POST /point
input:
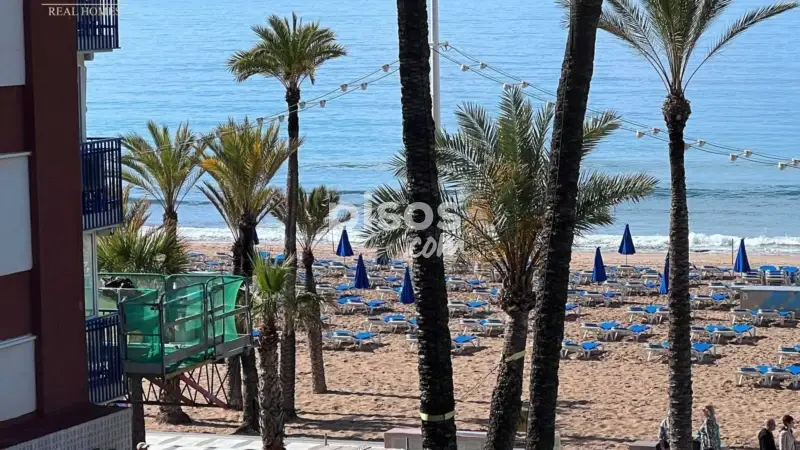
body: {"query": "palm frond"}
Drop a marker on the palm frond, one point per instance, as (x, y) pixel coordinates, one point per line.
(744, 23)
(598, 193)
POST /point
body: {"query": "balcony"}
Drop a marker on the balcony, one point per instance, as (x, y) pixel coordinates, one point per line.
(101, 174)
(98, 25)
(106, 373)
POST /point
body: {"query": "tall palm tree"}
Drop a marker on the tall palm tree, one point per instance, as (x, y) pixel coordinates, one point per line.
(165, 169)
(289, 53)
(499, 168)
(566, 151)
(437, 404)
(313, 222)
(242, 160)
(666, 35)
(270, 305)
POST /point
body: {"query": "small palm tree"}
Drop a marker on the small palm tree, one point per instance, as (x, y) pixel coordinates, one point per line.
(270, 304)
(242, 160)
(499, 168)
(289, 53)
(667, 35)
(313, 223)
(131, 249)
(166, 169)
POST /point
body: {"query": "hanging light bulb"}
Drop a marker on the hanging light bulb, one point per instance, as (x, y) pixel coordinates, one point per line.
(302, 105)
(781, 165)
(686, 146)
(748, 153)
(385, 67)
(701, 142)
(524, 84)
(363, 86)
(322, 103)
(464, 67)
(260, 121)
(795, 162)
(733, 156)
(484, 65)
(655, 130)
(639, 133)
(343, 87)
(281, 117)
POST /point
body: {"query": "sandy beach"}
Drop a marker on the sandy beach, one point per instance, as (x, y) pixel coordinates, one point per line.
(603, 403)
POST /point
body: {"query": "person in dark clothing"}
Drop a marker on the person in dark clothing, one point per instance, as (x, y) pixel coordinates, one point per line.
(766, 441)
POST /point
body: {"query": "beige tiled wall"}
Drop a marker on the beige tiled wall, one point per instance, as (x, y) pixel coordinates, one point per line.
(111, 432)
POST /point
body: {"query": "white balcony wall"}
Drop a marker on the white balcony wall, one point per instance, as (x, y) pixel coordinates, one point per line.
(15, 213)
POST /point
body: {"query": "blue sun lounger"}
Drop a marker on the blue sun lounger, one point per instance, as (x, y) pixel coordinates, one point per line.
(768, 375)
(636, 331)
(583, 349)
(464, 340)
(788, 353)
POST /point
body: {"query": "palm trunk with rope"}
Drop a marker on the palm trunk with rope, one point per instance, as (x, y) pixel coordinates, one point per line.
(504, 412)
(437, 405)
(247, 232)
(676, 111)
(270, 416)
(318, 384)
(562, 191)
(288, 342)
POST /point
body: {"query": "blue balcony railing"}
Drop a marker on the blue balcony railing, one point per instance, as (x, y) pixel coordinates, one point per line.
(101, 174)
(98, 25)
(107, 380)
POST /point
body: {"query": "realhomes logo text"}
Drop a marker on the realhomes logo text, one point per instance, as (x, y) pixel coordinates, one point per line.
(82, 9)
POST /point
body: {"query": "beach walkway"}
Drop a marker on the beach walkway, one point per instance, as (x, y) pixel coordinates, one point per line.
(197, 441)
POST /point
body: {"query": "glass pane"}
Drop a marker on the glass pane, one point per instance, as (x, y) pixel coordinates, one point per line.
(88, 276)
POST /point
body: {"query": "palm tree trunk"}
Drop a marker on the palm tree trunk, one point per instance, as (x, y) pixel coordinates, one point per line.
(169, 220)
(243, 252)
(234, 383)
(288, 343)
(437, 405)
(270, 415)
(250, 382)
(138, 431)
(676, 113)
(504, 413)
(562, 190)
(318, 384)
(172, 413)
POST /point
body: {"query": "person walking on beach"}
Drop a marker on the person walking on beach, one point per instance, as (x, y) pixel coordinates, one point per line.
(766, 441)
(709, 431)
(786, 439)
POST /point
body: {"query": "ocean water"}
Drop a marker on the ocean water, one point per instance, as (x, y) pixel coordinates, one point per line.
(171, 68)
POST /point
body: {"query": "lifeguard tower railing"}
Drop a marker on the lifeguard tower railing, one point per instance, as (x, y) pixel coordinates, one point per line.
(172, 324)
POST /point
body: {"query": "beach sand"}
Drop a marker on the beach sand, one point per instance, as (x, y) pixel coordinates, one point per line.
(603, 403)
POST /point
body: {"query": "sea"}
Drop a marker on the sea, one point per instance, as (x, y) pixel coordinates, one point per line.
(171, 68)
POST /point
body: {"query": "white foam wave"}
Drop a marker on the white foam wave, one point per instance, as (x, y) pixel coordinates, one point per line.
(715, 243)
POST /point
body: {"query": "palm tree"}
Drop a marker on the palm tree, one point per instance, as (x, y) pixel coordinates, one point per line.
(499, 168)
(313, 222)
(165, 170)
(437, 404)
(562, 200)
(270, 304)
(666, 35)
(242, 160)
(130, 249)
(290, 54)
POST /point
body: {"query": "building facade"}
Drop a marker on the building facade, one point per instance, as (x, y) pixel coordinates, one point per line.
(59, 189)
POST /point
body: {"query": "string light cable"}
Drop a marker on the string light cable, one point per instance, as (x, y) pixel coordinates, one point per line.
(320, 101)
(639, 129)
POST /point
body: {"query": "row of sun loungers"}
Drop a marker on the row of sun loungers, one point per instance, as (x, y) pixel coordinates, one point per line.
(768, 375)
